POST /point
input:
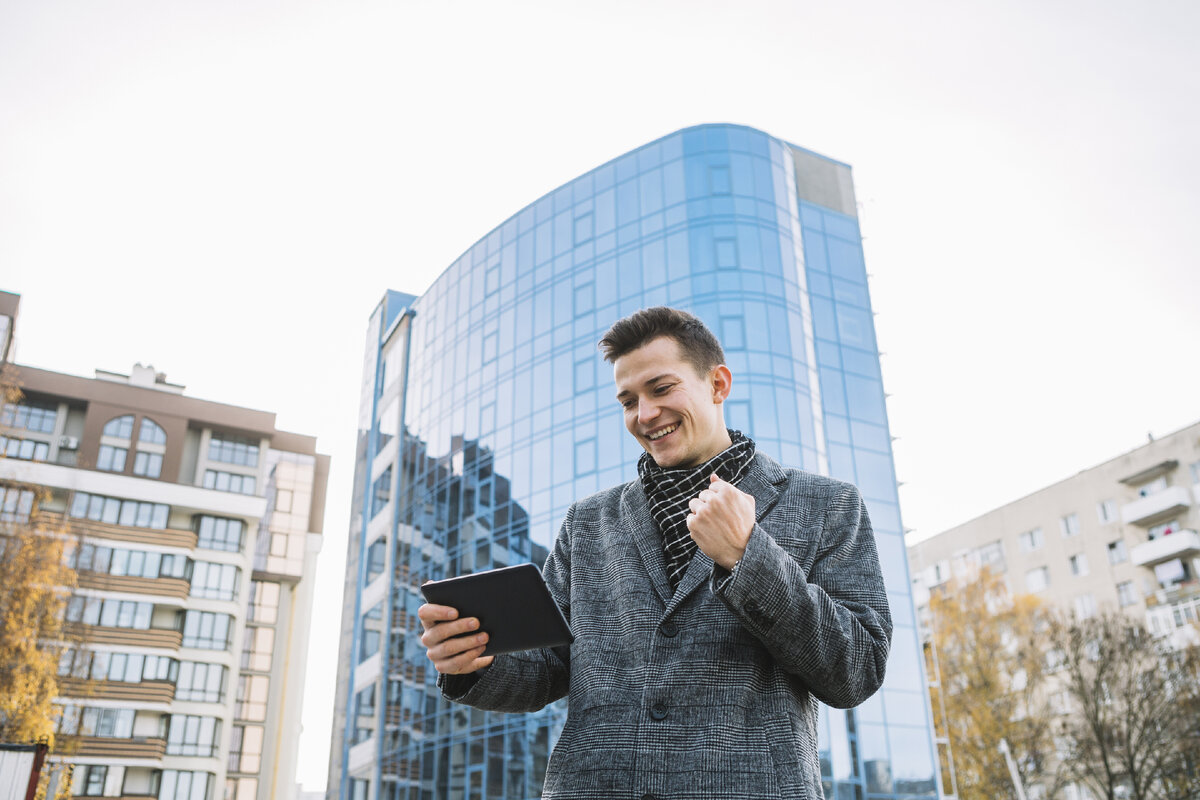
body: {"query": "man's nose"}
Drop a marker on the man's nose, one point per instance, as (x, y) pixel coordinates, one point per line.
(647, 410)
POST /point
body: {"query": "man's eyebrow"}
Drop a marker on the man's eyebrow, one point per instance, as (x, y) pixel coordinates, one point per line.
(649, 382)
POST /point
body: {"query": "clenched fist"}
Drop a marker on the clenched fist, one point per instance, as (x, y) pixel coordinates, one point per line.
(721, 521)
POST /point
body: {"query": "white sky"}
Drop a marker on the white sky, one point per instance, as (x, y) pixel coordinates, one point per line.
(225, 189)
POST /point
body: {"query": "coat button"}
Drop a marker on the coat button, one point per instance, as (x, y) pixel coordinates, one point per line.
(659, 711)
(668, 629)
(648, 796)
(751, 608)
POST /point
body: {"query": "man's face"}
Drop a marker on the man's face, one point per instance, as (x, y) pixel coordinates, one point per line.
(673, 412)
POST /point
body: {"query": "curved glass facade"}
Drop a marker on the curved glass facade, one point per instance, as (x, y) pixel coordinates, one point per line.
(487, 409)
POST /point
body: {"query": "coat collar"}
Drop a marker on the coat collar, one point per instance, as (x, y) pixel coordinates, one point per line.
(764, 482)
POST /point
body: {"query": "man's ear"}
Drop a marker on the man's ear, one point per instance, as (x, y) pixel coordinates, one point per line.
(721, 380)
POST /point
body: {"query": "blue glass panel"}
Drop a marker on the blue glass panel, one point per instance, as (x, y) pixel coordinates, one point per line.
(866, 399)
(912, 761)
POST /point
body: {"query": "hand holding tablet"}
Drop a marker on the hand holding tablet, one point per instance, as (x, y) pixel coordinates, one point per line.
(498, 611)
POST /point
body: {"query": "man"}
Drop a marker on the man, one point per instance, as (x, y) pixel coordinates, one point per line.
(714, 600)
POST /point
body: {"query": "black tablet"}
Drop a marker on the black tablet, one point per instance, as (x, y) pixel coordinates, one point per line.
(513, 606)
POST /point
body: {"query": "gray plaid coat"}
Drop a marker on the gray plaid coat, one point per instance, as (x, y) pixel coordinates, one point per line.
(708, 692)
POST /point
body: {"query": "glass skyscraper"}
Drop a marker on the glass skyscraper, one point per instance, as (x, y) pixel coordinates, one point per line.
(487, 409)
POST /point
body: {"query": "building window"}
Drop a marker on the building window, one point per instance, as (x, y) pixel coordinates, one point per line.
(245, 748)
(91, 779)
(1085, 606)
(376, 558)
(229, 482)
(109, 613)
(200, 682)
(206, 630)
(1069, 525)
(726, 253)
(137, 563)
(252, 697)
(114, 511)
(193, 736)
(215, 581)
(365, 701)
(1127, 593)
(992, 556)
(133, 667)
(264, 601)
(147, 465)
(218, 533)
(1153, 487)
(1117, 552)
(1163, 529)
(381, 491)
(119, 427)
(1031, 540)
(25, 449)
(241, 788)
(176, 785)
(111, 459)
(232, 450)
(1037, 579)
(108, 723)
(37, 417)
(257, 647)
(1194, 471)
(1106, 512)
(151, 432)
(1079, 565)
(16, 505)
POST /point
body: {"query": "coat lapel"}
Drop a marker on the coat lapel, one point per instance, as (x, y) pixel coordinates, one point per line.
(763, 482)
(636, 514)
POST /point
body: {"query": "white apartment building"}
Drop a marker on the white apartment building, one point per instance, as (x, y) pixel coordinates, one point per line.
(194, 527)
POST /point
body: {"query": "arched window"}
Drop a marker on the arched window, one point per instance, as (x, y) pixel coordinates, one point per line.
(120, 427)
(151, 442)
(112, 457)
(151, 432)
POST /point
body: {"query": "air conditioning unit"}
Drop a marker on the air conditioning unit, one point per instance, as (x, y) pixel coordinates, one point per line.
(68, 443)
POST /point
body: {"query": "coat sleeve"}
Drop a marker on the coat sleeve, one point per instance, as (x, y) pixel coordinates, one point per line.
(831, 627)
(531, 679)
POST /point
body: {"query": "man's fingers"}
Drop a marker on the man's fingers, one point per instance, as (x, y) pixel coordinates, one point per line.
(456, 646)
(431, 614)
(464, 664)
(436, 634)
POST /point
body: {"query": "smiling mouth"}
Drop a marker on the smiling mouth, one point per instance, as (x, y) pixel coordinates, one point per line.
(654, 437)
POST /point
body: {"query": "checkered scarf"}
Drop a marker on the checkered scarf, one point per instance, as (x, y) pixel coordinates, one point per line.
(668, 492)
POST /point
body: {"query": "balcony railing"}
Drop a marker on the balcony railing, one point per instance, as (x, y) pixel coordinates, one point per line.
(109, 747)
(122, 533)
(163, 587)
(98, 634)
(1154, 507)
(145, 691)
(1174, 545)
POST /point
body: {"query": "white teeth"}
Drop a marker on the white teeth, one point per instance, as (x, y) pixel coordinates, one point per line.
(655, 436)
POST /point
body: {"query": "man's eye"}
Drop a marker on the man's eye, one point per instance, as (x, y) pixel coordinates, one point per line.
(662, 388)
(627, 404)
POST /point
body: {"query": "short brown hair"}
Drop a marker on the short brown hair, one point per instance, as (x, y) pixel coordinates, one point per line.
(700, 348)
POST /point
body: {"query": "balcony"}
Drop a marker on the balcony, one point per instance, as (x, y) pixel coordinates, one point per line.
(145, 691)
(120, 533)
(1152, 508)
(121, 749)
(1179, 544)
(96, 634)
(163, 587)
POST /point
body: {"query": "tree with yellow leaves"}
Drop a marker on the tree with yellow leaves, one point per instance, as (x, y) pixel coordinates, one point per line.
(35, 583)
(992, 669)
